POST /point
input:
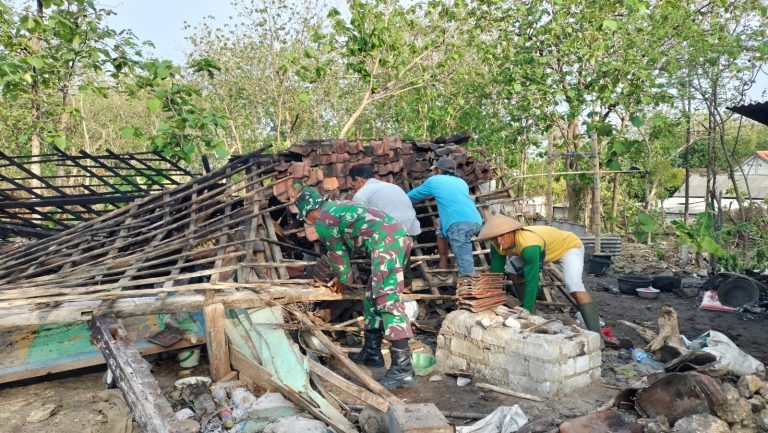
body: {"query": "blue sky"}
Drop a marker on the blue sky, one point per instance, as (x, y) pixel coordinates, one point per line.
(162, 21)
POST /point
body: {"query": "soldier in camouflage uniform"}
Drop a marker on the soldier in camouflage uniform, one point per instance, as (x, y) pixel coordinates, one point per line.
(347, 227)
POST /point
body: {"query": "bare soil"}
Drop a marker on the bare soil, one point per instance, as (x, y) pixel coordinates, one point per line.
(73, 393)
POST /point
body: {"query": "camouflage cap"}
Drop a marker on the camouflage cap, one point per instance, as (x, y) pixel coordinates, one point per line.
(307, 200)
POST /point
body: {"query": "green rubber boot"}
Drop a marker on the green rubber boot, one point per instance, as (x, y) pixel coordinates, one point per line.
(589, 314)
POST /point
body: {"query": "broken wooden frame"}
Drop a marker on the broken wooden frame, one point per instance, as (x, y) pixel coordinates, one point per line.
(83, 187)
(214, 229)
(182, 250)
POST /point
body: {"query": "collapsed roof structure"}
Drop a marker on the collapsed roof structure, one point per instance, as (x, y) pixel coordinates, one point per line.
(226, 239)
(228, 229)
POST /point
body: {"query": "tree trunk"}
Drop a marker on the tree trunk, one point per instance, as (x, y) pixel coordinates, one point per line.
(574, 191)
(688, 143)
(550, 165)
(615, 202)
(596, 202)
(35, 141)
(523, 170)
(360, 108)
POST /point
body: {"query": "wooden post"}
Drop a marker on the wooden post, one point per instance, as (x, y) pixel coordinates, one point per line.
(216, 341)
(142, 393)
(353, 368)
(596, 202)
(550, 167)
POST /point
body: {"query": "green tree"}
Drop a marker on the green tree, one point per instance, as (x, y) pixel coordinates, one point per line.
(50, 51)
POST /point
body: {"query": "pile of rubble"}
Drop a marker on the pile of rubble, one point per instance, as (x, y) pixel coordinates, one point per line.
(705, 385)
(325, 164)
(641, 259)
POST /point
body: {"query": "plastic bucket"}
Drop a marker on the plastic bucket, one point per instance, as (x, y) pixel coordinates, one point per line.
(189, 358)
(598, 266)
(423, 363)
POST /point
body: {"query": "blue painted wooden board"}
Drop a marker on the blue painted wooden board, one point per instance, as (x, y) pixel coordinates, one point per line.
(33, 351)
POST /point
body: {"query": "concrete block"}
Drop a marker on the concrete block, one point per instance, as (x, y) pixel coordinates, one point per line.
(538, 347)
(574, 347)
(476, 332)
(596, 374)
(572, 384)
(459, 364)
(490, 375)
(593, 341)
(466, 349)
(417, 418)
(516, 365)
(441, 340)
(595, 359)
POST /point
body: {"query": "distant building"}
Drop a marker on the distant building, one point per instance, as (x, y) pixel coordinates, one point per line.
(755, 169)
(756, 164)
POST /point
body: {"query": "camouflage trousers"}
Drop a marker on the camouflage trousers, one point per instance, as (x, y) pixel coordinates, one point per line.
(383, 306)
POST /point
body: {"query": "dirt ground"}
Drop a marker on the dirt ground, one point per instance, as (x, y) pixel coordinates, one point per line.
(74, 393)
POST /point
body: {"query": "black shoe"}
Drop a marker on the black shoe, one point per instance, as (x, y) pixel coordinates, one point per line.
(400, 373)
(370, 354)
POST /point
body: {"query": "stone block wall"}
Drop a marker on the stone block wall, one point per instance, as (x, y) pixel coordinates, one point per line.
(548, 366)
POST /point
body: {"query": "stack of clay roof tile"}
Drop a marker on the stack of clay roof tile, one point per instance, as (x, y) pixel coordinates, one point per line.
(480, 292)
(325, 164)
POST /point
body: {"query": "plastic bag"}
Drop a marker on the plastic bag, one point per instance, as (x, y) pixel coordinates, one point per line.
(729, 357)
(505, 419)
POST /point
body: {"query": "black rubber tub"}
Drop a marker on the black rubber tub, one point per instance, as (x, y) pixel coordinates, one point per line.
(597, 266)
(628, 284)
(666, 283)
(738, 292)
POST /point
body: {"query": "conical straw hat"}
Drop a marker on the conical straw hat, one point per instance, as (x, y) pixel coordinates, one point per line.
(497, 225)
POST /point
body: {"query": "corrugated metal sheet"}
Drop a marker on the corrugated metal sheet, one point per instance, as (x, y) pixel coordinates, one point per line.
(757, 112)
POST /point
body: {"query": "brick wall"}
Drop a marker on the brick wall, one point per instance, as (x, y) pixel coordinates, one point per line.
(548, 366)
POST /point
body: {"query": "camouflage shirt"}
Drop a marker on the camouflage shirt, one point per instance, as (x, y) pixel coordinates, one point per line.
(347, 228)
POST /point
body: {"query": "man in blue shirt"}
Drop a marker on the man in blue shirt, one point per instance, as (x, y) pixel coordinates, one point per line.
(459, 218)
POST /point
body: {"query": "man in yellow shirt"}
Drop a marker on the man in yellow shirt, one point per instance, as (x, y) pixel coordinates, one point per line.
(537, 245)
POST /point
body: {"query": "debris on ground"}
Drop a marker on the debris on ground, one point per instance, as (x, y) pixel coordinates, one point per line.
(641, 259)
(41, 413)
(503, 419)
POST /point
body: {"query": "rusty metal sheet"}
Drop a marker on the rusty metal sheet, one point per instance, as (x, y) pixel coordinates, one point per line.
(678, 395)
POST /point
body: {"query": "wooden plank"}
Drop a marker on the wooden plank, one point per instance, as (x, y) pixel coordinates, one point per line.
(506, 391)
(216, 336)
(281, 358)
(90, 362)
(359, 393)
(184, 301)
(252, 373)
(340, 356)
(141, 391)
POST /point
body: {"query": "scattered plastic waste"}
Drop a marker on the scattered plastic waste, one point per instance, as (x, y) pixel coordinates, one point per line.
(730, 357)
(184, 413)
(227, 419)
(463, 381)
(219, 394)
(242, 400)
(250, 426)
(608, 335)
(503, 419)
(293, 424)
(644, 358)
(710, 302)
